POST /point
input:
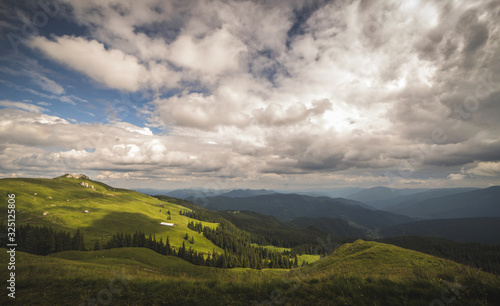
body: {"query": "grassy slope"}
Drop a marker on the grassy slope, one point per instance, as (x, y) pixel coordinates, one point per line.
(110, 210)
(361, 273)
(136, 276)
(380, 274)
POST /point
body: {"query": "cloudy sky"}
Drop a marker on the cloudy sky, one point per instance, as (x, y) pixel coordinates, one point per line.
(258, 94)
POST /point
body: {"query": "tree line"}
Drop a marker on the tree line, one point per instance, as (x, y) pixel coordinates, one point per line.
(45, 240)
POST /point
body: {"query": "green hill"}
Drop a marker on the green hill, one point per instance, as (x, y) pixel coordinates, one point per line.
(360, 273)
(371, 273)
(61, 203)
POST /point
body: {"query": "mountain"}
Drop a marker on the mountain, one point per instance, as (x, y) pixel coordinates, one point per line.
(475, 203)
(377, 194)
(288, 207)
(241, 193)
(333, 226)
(194, 193)
(479, 230)
(326, 192)
(391, 204)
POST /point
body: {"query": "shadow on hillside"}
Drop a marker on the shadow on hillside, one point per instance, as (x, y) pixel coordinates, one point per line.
(127, 222)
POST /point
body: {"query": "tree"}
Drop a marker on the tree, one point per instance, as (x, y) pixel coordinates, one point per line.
(97, 246)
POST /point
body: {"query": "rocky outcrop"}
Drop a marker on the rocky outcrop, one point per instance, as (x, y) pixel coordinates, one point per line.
(77, 176)
(85, 184)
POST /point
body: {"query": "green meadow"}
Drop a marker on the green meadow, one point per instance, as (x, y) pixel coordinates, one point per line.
(60, 203)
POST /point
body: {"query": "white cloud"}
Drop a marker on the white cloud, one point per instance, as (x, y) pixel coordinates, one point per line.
(213, 54)
(49, 85)
(23, 106)
(112, 67)
(456, 176)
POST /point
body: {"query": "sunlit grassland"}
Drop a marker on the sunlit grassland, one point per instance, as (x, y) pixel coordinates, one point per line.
(60, 203)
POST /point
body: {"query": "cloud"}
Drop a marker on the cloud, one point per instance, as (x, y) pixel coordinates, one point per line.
(114, 68)
(491, 169)
(316, 92)
(456, 176)
(212, 54)
(23, 106)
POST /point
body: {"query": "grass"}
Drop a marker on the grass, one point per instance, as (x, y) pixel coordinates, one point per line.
(361, 273)
(144, 277)
(61, 202)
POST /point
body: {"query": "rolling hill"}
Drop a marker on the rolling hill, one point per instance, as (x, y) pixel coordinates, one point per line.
(61, 204)
(288, 207)
(480, 230)
(475, 203)
(359, 273)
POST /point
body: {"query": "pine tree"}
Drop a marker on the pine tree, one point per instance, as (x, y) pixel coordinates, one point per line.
(97, 245)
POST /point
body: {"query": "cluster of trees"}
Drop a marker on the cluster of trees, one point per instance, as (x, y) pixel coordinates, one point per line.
(249, 257)
(45, 240)
(238, 251)
(202, 215)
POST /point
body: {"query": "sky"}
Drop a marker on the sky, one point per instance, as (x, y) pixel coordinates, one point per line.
(252, 94)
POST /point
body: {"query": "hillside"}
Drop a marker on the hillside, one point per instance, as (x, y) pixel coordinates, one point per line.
(267, 230)
(334, 226)
(288, 207)
(361, 273)
(480, 230)
(371, 273)
(61, 204)
(475, 203)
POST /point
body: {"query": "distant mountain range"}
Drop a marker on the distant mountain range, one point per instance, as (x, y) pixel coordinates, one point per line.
(378, 196)
(241, 193)
(405, 200)
(481, 230)
(475, 203)
(288, 207)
